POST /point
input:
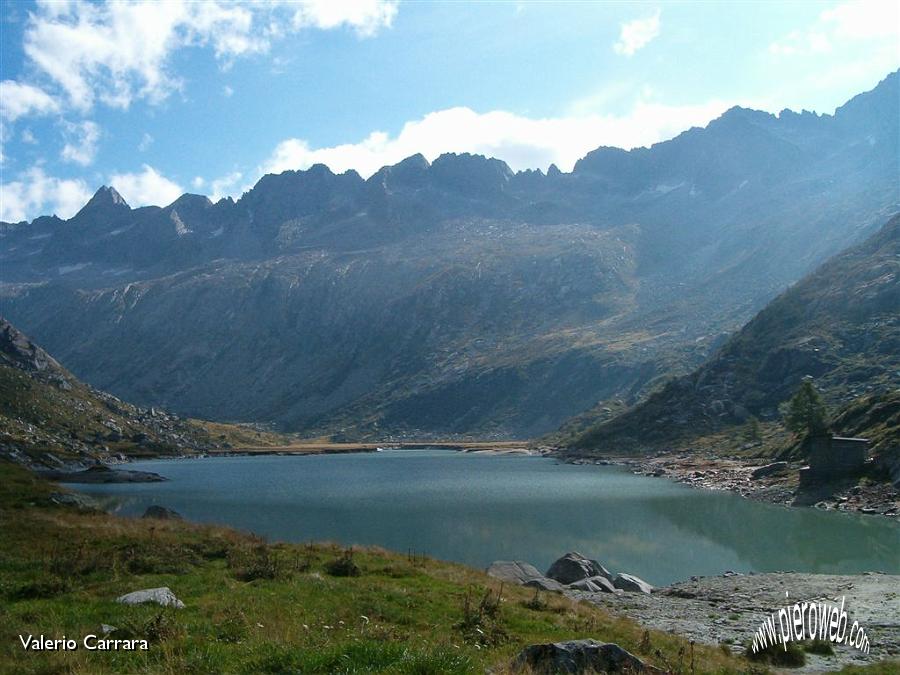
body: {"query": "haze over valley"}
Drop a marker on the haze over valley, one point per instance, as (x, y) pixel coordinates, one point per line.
(453, 297)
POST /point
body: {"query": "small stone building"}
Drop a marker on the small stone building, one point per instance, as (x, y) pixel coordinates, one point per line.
(829, 455)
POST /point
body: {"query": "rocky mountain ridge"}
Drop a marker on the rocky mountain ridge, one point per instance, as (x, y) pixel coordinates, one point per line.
(452, 297)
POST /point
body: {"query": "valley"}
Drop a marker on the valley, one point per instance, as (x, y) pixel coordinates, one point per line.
(454, 297)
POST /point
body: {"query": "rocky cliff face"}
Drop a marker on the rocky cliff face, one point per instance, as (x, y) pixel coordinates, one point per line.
(839, 325)
(456, 296)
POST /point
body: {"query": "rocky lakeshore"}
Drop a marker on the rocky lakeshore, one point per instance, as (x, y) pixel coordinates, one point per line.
(728, 609)
(773, 482)
(102, 473)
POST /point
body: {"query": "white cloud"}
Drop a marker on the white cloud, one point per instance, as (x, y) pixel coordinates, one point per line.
(862, 20)
(522, 142)
(82, 144)
(118, 52)
(146, 188)
(227, 91)
(635, 35)
(18, 100)
(35, 192)
(146, 142)
(28, 137)
(366, 17)
(225, 185)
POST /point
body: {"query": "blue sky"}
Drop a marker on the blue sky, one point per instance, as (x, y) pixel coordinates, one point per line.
(163, 98)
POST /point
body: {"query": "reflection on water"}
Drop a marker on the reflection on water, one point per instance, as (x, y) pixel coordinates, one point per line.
(479, 508)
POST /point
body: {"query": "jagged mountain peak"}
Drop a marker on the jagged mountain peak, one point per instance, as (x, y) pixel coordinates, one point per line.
(188, 200)
(106, 201)
(107, 195)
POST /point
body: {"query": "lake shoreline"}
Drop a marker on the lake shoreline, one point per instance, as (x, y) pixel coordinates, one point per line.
(712, 472)
(702, 471)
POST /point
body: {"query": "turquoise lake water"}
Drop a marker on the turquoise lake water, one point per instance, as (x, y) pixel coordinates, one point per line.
(476, 508)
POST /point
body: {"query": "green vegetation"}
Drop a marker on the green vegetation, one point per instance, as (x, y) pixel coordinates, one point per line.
(817, 646)
(805, 414)
(795, 656)
(258, 607)
(789, 656)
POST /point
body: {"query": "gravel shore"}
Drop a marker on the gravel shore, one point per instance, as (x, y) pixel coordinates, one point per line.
(728, 609)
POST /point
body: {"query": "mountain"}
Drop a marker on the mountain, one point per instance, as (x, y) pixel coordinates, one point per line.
(452, 297)
(840, 325)
(48, 417)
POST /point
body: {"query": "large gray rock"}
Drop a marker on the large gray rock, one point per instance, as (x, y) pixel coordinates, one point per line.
(769, 469)
(596, 584)
(580, 656)
(161, 596)
(522, 573)
(161, 513)
(574, 567)
(545, 584)
(632, 584)
(513, 571)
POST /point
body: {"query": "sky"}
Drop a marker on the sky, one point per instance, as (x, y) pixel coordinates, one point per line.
(172, 96)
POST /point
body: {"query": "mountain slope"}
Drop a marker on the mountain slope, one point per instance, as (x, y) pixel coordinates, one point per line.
(840, 325)
(453, 296)
(47, 416)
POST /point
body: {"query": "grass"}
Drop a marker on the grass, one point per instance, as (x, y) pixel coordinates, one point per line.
(259, 607)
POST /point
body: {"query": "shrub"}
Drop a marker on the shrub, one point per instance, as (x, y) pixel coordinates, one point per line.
(232, 627)
(249, 564)
(776, 655)
(536, 602)
(482, 623)
(343, 566)
(817, 646)
(46, 586)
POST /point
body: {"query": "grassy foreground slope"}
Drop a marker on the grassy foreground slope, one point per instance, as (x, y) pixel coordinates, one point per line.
(253, 607)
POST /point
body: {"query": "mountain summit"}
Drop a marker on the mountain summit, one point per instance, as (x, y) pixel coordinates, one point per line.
(453, 297)
(106, 200)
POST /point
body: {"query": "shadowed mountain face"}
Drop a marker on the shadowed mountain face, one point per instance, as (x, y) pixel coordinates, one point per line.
(456, 296)
(47, 416)
(839, 325)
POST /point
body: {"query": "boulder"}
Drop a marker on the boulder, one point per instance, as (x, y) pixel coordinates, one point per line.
(522, 573)
(79, 501)
(596, 584)
(545, 584)
(513, 571)
(161, 596)
(161, 513)
(769, 469)
(580, 656)
(632, 584)
(574, 567)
